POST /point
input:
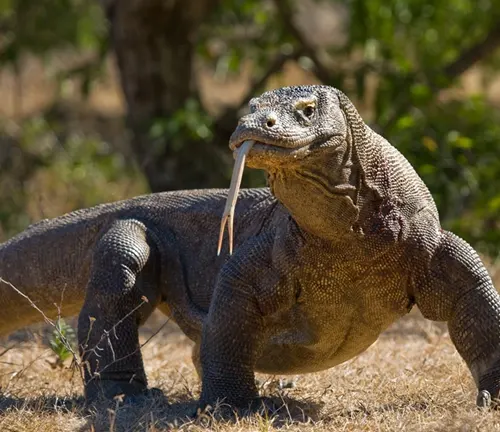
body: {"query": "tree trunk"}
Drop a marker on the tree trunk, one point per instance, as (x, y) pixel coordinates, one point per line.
(154, 42)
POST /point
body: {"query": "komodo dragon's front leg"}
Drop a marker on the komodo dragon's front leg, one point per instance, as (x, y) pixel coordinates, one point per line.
(234, 333)
(120, 296)
(457, 288)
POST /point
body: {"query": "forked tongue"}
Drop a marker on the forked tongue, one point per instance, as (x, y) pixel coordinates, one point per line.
(232, 196)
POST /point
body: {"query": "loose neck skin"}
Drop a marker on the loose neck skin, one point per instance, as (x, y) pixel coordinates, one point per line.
(325, 192)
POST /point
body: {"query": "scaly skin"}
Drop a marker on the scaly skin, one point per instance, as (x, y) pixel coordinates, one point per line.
(348, 241)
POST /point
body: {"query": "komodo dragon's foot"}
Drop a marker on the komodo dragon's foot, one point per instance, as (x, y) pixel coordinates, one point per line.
(489, 387)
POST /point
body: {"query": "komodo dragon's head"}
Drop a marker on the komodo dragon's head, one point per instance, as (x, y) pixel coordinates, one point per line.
(304, 129)
(289, 123)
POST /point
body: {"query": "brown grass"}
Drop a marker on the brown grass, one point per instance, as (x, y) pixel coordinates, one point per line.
(412, 379)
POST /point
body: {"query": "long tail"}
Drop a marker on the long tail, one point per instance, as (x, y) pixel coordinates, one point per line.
(45, 269)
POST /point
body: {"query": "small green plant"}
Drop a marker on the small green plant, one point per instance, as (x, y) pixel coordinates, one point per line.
(62, 342)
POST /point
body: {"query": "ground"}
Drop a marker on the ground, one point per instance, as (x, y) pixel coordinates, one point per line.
(411, 379)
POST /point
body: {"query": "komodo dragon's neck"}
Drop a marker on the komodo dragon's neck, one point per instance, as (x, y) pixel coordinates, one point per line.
(329, 193)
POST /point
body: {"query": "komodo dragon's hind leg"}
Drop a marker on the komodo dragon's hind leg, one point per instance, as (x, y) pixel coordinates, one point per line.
(121, 293)
(458, 289)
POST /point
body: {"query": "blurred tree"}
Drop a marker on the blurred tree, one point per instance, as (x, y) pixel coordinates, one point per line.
(399, 60)
(45, 170)
(156, 44)
(42, 28)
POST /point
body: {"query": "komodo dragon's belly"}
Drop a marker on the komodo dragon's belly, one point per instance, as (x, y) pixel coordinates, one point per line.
(336, 317)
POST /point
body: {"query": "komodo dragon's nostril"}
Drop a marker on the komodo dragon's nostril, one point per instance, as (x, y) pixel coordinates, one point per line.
(271, 121)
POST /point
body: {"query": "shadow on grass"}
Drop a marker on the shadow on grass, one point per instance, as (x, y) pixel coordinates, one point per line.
(45, 404)
(155, 413)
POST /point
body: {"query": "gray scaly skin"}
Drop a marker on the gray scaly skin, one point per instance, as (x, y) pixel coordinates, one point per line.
(346, 241)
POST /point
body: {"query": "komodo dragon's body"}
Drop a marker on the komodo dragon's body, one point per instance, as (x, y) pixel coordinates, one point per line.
(343, 243)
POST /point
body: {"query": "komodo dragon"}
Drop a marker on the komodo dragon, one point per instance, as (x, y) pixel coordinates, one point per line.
(345, 241)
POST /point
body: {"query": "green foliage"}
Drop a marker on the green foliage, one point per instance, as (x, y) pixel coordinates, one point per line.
(49, 170)
(190, 122)
(454, 146)
(42, 28)
(417, 34)
(239, 30)
(63, 341)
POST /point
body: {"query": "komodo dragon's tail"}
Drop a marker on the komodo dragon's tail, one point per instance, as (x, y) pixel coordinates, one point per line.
(47, 265)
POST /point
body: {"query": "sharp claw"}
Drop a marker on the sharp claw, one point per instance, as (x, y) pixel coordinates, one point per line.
(232, 196)
(483, 399)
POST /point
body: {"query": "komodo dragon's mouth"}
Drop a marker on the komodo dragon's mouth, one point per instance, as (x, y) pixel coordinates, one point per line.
(241, 149)
(266, 146)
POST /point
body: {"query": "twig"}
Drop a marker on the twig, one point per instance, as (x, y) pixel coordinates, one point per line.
(105, 333)
(17, 375)
(6, 350)
(45, 317)
(113, 329)
(133, 352)
(47, 321)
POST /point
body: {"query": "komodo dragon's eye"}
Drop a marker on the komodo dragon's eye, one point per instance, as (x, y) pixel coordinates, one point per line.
(309, 111)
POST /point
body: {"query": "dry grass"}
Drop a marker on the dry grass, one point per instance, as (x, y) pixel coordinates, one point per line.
(412, 379)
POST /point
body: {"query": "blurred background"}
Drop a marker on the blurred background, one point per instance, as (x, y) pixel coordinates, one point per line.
(106, 100)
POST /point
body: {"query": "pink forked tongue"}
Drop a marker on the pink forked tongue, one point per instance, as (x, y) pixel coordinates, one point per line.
(232, 196)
